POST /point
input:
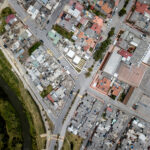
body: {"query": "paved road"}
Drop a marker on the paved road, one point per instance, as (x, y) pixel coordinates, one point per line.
(81, 82)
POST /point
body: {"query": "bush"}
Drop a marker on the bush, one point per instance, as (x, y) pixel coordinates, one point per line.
(122, 12)
(90, 69)
(6, 11)
(34, 47)
(102, 49)
(87, 74)
(111, 32)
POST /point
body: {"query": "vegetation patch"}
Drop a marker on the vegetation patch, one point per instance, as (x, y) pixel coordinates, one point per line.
(96, 12)
(10, 128)
(87, 74)
(30, 108)
(4, 13)
(104, 45)
(72, 142)
(63, 32)
(34, 47)
(46, 91)
(122, 12)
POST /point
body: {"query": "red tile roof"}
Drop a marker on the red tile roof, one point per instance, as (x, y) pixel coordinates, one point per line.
(50, 98)
(10, 17)
(116, 90)
(98, 20)
(104, 85)
(79, 6)
(83, 20)
(142, 8)
(96, 28)
(87, 47)
(124, 53)
(109, 109)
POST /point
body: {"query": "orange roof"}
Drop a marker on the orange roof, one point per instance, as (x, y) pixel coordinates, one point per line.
(98, 20)
(81, 35)
(90, 42)
(95, 27)
(100, 3)
(106, 8)
(87, 47)
(117, 2)
(116, 90)
(104, 85)
(142, 8)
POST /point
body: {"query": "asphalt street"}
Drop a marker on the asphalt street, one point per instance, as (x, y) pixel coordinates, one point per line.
(81, 82)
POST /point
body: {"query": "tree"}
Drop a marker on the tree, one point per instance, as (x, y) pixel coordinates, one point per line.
(111, 32)
(122, 12)
(87, 74)
(90, 69)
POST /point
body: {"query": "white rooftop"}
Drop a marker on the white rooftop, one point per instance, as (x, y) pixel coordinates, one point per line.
(32, 11)
(76, 60)
(71, 54)
(75, 13)
(65, 49)
(113, 63)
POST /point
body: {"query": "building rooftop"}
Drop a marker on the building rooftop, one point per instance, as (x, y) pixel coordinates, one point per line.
(131, 74)
(54, 36)
(76, 59)
(104, 85)
(98, 21)
(142, 8)
(124, 53)
(113, 63)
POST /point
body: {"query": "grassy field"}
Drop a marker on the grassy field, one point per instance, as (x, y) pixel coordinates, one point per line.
(31, 109)
(46, 91)
(72, 142)
(34, 47)
(63, 32)
(10, 128)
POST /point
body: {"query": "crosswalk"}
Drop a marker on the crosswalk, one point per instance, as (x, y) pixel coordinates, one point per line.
(80, 96)
(56, 137)
(50, 52)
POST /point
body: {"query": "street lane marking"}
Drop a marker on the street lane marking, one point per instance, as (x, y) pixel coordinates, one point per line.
(56, 137)
(60, 57)
(80, 96)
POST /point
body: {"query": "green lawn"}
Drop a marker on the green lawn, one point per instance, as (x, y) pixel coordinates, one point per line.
(46, 91)
(72, 142)
(31, 109)
(63, 32)
(34, 47)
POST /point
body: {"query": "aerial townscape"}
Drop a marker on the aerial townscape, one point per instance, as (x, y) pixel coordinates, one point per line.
(74, 74)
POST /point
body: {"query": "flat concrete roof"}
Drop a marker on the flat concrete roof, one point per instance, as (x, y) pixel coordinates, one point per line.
(113, 63)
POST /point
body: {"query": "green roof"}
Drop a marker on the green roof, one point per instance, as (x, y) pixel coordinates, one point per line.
(54, 36)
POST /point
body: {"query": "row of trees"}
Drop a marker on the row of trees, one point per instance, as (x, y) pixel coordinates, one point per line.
(123, 10)
(104, 45)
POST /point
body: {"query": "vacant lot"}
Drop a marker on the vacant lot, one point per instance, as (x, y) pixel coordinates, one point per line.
(72, 142)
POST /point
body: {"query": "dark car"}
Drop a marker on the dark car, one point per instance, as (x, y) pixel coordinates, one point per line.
(48, 22)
